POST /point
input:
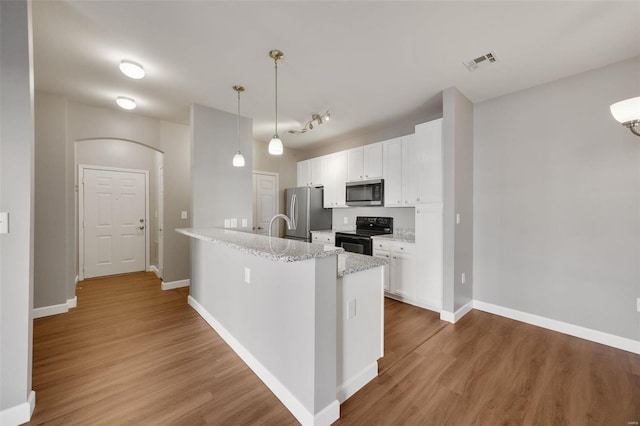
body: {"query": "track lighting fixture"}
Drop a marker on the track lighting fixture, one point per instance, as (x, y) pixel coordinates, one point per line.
(315, 118)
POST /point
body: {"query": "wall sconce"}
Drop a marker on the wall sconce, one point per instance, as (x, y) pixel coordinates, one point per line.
(315, 118)
(627, 112)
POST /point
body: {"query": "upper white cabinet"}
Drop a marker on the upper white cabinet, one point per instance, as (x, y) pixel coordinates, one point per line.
(304, 173)
(364, 163)
(427, 157)
(409, 171)
(311, 172)
(392, 167)
(335, 177)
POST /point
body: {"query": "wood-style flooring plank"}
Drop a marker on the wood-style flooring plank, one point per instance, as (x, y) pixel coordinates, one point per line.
(132, 354)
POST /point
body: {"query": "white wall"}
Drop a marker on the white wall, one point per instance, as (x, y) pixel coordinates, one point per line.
(59, 124)
(176, 143)
(403, 217)
(457, 139)
(557, 202)
(16, 197)
(219, 190)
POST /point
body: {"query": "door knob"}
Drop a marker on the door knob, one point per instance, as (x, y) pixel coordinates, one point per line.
(141, 227)
(259, 227)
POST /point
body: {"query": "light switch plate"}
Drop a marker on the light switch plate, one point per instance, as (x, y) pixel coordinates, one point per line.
(457, 218)
(351, 309)
(183, 214)
(244, 223)
(638, 303)
(4, 222)
(247, 275)
(234, 223)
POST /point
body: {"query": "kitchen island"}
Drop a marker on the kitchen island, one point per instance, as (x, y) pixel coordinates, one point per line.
(312, 337)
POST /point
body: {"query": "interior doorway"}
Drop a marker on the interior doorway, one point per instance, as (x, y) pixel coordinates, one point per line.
(265, 201)
(113, 225)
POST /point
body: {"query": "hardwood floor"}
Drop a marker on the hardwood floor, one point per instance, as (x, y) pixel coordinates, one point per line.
(133, 354)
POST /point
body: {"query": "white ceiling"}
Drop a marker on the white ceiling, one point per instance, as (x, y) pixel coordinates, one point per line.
(367, 62)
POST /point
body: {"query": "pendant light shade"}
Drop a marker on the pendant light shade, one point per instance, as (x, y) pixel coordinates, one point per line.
(238, 159)
(275, 145)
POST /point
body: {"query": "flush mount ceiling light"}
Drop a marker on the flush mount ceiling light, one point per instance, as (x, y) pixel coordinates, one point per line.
(275, 144)
(126, 103)
(315, 118)
(131, 69)
(238, 159)
(627, 112)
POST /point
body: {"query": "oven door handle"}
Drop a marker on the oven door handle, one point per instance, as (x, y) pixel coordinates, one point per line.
(352, 238)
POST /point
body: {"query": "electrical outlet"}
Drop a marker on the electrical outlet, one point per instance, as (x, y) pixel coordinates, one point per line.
(463, 278)
(227, 223)
(457, 218)
(234, 223)
(346, 220)
(183, 214)
(638, 303)
(4, 222)
(351, 309)
(247, 275)
(244, 223)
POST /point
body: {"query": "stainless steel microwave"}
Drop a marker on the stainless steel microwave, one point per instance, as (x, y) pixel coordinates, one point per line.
(365, 193)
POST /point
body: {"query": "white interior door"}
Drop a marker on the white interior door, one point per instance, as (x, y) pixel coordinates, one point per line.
(115, 223)
(265, 202)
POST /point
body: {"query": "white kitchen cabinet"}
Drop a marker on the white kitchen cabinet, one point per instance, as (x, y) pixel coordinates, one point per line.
(364, 163)
(311, 172)
(429, 249)
(386, 269)
(409, 171)
(304, 173)
(355, 164)
(372, 159)
(392, 168)
(335, 177)
(400, 280)
(427, 158)
(317, 171)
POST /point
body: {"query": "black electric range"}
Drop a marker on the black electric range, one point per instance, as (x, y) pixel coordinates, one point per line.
(359, 241)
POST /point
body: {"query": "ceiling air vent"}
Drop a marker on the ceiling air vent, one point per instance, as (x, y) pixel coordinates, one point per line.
(481, 61)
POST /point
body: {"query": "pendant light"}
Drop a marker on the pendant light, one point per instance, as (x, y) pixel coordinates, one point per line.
(275, 145)
(238, 159)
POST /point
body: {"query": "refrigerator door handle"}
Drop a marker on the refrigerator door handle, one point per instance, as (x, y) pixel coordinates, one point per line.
(294, 212)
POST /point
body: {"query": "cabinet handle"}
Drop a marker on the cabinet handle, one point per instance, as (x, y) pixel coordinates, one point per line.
(399, 201)
(417, 199)
(366, 176)
(401, 248)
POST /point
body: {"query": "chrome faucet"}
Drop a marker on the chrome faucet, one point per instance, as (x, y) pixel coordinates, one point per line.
(290, 224)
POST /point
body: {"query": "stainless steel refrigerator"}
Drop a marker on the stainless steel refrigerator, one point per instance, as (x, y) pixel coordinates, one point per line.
(305, 208)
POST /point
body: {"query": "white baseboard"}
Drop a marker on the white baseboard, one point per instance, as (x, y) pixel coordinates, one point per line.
(326, 416)
(19, 414)
(562, 327)
(77, 279)
(355, 383)
(175, 284)
(412, 301)
(454, 317)
(155, 270)
(62, 308)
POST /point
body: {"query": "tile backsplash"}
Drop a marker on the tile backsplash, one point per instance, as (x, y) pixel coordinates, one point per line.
(403, 217)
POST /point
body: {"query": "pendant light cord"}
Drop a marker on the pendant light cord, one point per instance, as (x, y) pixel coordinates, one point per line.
(276, 61)
(238, 122)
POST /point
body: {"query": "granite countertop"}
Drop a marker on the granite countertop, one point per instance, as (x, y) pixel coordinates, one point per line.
(402, 238)
(276, 249)
(348, 263)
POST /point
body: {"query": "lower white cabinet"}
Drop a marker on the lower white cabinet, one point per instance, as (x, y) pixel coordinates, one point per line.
(414, 274)
(399, 274)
